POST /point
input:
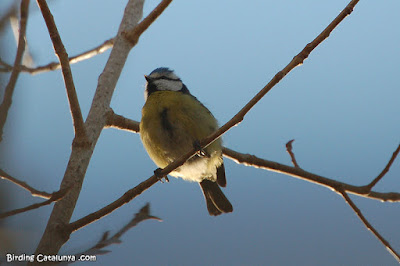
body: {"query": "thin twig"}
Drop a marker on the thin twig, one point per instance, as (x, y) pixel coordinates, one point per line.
(56, 65)
(56, 196)
(385, 170)
(133, 35)
(289, 150)
(34, 192)
(9, 91)
(59, 48)
(369, 226)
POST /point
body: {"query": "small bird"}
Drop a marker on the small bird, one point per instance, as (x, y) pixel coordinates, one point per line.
(173, 122)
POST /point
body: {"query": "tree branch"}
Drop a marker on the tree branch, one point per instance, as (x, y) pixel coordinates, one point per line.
(123, 123)
(120, 122)
(251, 160)
(56, 65)
(385, 170)
(56, 196)
(368, 225)
(127, 197)
(9, 91)
(34, 192)
(134, 34)
(80, 132)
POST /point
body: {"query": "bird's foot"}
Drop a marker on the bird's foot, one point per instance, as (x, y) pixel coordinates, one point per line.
(200, 151)
(160, 176)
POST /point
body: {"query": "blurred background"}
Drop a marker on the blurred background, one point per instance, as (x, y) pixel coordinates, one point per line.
(341, 107)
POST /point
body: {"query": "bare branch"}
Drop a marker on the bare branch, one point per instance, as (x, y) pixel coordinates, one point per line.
(251, 160)
(34, 192)
(127, 197)
(59, 48)
(289, 150)
(120, 122)
(134, 34)
(56, 65)
(385, 170)
(369, 226)
(123, 123)
(56, 196)
(9, 91)
(296, 61)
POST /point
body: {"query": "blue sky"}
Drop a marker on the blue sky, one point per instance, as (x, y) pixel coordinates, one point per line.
(340, 106)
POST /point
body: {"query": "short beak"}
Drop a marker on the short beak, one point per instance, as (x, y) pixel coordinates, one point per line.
(147, 78)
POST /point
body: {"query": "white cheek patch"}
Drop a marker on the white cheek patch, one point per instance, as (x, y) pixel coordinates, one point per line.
(168, 85)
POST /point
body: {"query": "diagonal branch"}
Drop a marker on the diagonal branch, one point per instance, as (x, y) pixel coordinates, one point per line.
(33, 191)
(9, 91)
(296, 61)
(59, 48)
(385, 170)
(56, 196)
(368, 225)
(127, 197)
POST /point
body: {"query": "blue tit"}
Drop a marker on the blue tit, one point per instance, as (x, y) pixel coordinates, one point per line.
(173, 120)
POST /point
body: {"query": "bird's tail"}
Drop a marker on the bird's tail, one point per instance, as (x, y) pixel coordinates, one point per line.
(216, 201)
